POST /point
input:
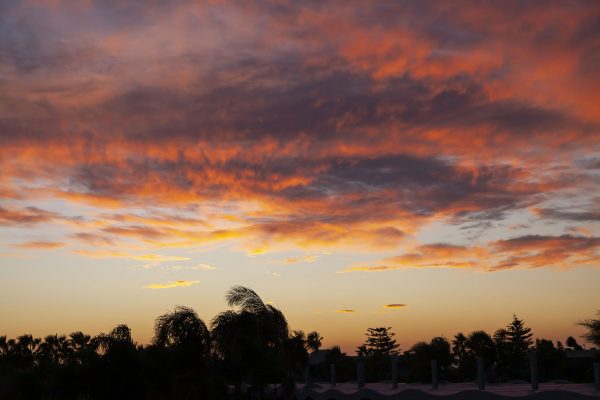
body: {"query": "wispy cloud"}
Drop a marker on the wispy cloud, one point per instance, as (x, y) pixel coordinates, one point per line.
(196, 267)
(395, 305)
(346, 311)
(520, 252)
(150, 259)
(41, 245)
(171, 285)
(295, 260)
(25, 216)
(158, 258)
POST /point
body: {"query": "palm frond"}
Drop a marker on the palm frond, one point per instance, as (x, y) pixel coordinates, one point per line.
(245, 298)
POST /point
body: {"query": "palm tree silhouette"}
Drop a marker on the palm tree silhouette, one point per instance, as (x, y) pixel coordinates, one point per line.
(82, 348)
(182, 328)
(53, 350)
(185, 342)
(120, 364)
(313, 340)
(250, 338)
(459, 351)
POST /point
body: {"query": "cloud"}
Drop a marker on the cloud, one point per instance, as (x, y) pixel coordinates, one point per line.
(204, 266)
(101, 253)
(581, 216)
(25, 216)
(171, 285)
(366, 124)
(158, 258)
(151, 259)
(41, 245)
(93, 239)
(438, 255)
(538, 251)
(520, 252)
(295, 260)
(395, 305)
(192, 267)
(345, 311)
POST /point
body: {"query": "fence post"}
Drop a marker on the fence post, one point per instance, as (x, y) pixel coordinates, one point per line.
(332, 374)
(533, 367)
(597, 375)
(434, 374)
(360, 373)
(394, 372)
(480, 374)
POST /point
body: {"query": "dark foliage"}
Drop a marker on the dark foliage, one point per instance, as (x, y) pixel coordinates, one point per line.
(252, 345)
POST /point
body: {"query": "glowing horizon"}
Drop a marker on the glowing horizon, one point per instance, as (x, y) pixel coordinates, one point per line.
(421, 165)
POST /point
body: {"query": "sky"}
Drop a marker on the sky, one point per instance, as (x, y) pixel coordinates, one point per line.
(429, 166)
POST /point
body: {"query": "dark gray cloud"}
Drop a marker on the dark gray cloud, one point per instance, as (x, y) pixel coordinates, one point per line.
(581, 216)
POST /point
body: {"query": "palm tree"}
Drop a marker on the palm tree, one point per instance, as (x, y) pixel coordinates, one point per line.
(502, 352)
(250, 338)
(183, 343)
(53, 350)
(296, 352)
(480, 344)
(119, 362)
(82, 348)
(185, 337)
(23, 350)
(313, 340)
(3, 352)
(182, 328)
(118, 341)
(459, 352)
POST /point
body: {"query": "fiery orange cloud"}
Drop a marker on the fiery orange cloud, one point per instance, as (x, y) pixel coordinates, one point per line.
(381, 125)
(531, 251)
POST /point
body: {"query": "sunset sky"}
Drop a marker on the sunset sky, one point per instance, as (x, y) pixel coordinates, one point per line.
(429, 166)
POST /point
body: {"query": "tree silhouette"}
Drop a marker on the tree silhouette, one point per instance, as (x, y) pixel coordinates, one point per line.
(182, 329)
(572, 343)
(502, 352)
(379, 342)
(296, 354)
(313, 340)
(459, 353)
(249, 338)
(519, 339)
(185, 344)
(251, 343)
(478, 344)
(119, 363)
(420, 355)
(593, 329)
(519, 336)
(53, 350)
(82, 348)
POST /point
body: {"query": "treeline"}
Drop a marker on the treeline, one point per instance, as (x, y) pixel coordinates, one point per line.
(245, 349)
(249, 345)
(506, 356)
